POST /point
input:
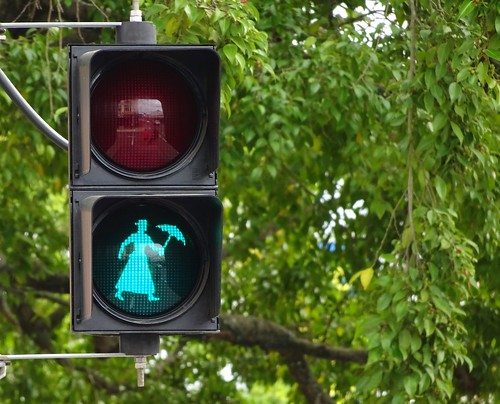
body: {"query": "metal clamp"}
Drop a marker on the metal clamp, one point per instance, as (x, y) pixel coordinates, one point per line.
(4, 362)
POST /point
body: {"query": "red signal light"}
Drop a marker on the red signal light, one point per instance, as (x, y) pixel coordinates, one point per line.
(146, 115)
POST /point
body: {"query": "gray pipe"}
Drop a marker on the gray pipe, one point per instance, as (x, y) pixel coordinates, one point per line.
(30, 113)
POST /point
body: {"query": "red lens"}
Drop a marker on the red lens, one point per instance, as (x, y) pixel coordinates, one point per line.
(144, 115)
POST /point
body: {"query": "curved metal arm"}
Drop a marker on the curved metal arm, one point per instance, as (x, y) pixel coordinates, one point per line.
(30, 113)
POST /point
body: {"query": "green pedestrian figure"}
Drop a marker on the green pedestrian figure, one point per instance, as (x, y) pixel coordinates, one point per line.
(136, 276)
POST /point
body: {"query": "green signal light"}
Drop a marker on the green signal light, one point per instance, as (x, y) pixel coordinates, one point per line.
(148, 260)
(136, 277)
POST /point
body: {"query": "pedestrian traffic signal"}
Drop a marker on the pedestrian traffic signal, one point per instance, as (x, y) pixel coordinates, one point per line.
(146, 223)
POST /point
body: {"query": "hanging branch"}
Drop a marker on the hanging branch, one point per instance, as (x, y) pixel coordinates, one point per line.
(410, 130)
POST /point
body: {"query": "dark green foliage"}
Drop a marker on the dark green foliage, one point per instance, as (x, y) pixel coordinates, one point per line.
(381, 141)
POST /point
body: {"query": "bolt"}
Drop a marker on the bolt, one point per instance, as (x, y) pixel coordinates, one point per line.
(140, 365)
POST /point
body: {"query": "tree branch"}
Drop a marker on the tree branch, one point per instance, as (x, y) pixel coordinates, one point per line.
(301, 372)
(254, 331)
(51, 284)
(410, 124)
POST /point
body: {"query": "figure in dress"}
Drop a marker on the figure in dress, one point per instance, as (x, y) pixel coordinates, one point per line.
(136, 276)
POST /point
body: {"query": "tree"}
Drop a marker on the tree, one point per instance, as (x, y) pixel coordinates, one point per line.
(359, 170)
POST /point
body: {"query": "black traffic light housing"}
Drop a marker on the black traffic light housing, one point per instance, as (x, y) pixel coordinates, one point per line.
(96, 71)
(146, 223)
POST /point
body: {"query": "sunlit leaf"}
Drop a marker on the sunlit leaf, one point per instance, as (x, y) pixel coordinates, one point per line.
(466, 8)
(366, 277)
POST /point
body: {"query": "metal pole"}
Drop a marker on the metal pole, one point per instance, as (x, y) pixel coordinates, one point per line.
(139, 360)
(64, 356)
(56, 24)
(30, 113)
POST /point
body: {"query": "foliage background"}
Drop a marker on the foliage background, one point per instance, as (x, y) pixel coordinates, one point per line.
(359, 175)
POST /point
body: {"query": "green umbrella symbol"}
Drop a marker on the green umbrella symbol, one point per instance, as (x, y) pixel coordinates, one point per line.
(173, 231)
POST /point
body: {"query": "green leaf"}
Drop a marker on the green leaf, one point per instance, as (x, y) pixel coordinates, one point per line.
(241, 60)
(482, 72)
(429, 102)
(430, 78)
(424, 383)
(440, 357)
(443, 52)
(371, 324)
(388, 257)
(230, 51)
(416, 342)
(410, 384)
(466, 8)
(60, 111)
(224, 23)
(479, 155)
(441, 70)
(401, 310)
(440, 120)
(442, 305)
(383, 302)
(493, 53)
(463, 74)
(455, 91)
(180, 4)
(315, 86)
(457, 131)
(272, 170)
(469, 363)
(374, 356)
(404, 342)
(424, 296)
(430, 373)
(379, 207)
(309, 42)
(429, 326)
(370, 381)
(441, 188)
(398, 399)
(172, 26)
(438, 93)
(445, 387)
(386, 340)
(406, 237)
(400, 295)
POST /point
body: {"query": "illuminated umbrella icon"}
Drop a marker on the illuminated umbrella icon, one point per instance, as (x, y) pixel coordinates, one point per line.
(173, 231)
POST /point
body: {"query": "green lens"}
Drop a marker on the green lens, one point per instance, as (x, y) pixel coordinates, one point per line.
(147, 261)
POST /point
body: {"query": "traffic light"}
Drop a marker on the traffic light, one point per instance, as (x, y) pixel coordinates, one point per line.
(146, 222)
